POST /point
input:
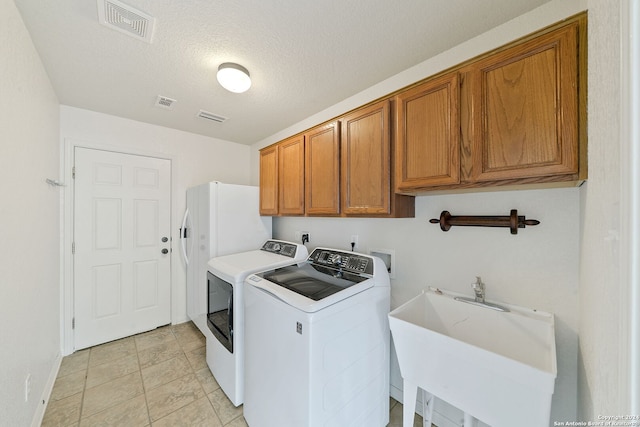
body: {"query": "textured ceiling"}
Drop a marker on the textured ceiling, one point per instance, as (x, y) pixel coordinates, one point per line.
(303, 55)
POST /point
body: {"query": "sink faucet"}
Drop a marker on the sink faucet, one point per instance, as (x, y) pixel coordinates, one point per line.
(478, 288)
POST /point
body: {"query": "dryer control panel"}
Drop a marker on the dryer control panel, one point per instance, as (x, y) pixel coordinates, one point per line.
(280, 247)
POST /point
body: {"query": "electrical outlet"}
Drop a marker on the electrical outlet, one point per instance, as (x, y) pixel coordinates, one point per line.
(27, 388)
(354, 240)
(306, 237)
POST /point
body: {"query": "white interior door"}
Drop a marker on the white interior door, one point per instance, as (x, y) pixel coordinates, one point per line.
(122, 245)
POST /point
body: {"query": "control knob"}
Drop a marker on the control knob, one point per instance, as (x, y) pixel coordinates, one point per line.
(276, 247)
(335, 259)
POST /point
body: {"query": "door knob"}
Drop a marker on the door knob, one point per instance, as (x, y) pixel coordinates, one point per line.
(165, 251)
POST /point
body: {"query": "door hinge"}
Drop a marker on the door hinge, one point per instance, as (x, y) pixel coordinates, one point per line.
(73, 248)
(73, 323)
(73, 172)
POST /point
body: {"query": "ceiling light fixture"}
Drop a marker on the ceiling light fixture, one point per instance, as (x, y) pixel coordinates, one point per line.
(233, 77)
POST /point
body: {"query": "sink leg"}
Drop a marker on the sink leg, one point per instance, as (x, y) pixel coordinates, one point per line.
(469, 421)
(409, 403)
(428, 401)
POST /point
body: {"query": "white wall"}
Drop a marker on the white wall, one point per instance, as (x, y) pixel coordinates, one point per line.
(602, 339)
(29, 213)
(195, 159)
(538, 268)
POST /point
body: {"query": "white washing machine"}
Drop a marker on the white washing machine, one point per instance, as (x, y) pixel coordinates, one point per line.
(317, 343)
(225, 308)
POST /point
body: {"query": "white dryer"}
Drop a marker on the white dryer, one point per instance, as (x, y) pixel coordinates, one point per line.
(225, 308)
(317, 343)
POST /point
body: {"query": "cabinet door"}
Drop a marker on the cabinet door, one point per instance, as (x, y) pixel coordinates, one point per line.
(269, 181)
(428, 134)
(322, 170)
(365, 160)
(522, 106)
(291, 176)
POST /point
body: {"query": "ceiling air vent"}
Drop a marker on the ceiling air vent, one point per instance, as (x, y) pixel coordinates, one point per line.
(121, 17)
(164, 102)
(210, 116)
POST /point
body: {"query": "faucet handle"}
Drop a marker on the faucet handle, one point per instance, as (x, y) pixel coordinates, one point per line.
(478, 285)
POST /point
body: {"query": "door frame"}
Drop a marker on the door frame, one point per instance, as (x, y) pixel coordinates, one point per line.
(67, 196)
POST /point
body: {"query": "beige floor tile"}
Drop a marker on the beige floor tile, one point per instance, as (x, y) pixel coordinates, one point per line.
(198, 358)
(172, 396)
(159, 353)
(111, 351)
(153, 338)
(159, 376)
(132, 412)
(68, 385)
(188, 335)
(164, 372)
(223, 406)
(75, 362)
(105, 372)
(207, 380)
(197, 414)
(63, 412)
(238, 422)
(109, 394)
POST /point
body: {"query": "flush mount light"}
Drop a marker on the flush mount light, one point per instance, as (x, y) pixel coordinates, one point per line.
(234, 77)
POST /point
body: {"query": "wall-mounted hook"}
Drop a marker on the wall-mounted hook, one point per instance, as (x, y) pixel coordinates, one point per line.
(54, 183)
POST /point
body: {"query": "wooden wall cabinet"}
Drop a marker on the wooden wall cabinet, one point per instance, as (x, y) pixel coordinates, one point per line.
(269, 181)
(291, 176)
(322, 170)
(366, 180)
(522, 105)
(282, 178)
(515, 116)
(428, 134)
(341, 168)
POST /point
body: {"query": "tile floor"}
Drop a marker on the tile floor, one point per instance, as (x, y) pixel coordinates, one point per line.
(158, 378)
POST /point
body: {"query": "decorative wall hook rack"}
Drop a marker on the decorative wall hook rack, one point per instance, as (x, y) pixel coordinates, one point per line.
(513, 221)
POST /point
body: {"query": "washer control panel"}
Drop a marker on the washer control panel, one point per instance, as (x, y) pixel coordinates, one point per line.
(347, 261)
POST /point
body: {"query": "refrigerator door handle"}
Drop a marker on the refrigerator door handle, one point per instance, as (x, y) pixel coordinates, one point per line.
(183, 237)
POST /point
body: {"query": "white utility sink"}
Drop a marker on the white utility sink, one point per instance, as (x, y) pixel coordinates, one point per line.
(498, 367)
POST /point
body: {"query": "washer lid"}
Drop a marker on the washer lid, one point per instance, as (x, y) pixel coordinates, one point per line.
(312, 281)
(326, 288)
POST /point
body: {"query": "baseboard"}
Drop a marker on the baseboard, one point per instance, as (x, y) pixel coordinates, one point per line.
(46, 393)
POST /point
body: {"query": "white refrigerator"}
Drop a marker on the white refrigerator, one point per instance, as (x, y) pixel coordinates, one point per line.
(220, 219)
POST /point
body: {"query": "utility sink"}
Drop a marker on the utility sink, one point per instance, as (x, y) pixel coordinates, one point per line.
(498, 367)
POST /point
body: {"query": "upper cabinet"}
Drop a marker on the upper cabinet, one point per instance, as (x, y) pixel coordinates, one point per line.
(282, 178)
(291, 176)
(514, 116)
(322, 170)
(428, 134)
(269, 180)
(521, 110)
(341, 168)
(366, 178)
(366, 144)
